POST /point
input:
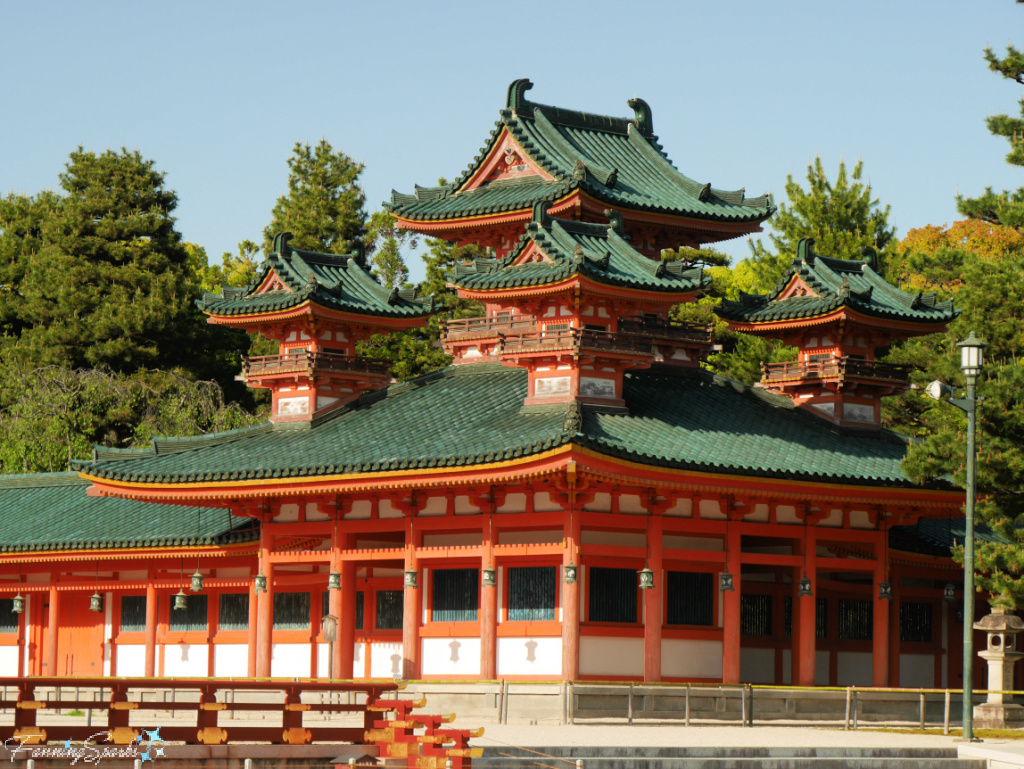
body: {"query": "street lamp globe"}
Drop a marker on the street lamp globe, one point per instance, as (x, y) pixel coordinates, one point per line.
(972, 356)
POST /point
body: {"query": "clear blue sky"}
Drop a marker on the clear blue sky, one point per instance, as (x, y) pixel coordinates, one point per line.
(742, 92)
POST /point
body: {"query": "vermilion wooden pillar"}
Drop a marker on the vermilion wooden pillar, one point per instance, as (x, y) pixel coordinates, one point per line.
(411, 610)
(345, 647)
(51, 629)
(488, 610)
(151, 619)
(731, 609)
(880, 634)
(653, 602)
(571, 603)
(265, 624)
(805, 623)
(253, 625)
(894, 628)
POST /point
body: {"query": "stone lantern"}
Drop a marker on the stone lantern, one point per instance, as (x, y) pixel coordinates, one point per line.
(999, 711)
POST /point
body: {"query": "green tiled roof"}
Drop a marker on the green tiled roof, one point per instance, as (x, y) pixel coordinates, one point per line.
(597, 251)
(331, 281)
(838, 283)
(52, 512)
(616, 160)
(474, 414)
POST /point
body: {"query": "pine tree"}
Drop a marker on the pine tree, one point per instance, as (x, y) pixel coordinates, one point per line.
(385, 242)
(323, 208)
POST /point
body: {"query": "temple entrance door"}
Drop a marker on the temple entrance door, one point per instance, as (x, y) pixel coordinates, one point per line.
(79, 637)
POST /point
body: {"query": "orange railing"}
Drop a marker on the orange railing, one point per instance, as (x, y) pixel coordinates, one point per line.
(304, 361)
(835, 368)
(489, 325)
(659, 328)
(575, 339)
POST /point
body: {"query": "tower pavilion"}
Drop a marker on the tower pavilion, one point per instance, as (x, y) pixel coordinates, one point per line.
(317, 307)
(580, 164)
(577, 306)
(839, 314)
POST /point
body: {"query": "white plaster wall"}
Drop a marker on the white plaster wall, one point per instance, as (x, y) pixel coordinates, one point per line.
(917, 670)
(787, 667)
(386, 660)
(757, 666)
(821, 671)
(552, 537)
(434, 506)
(613, 656)
(514, 503)
(853, 669)
(602, 502)
(9, 661)
(131, 661)
(451, 656)
(290, 660)
(681, 508)
(631, 503)
(688, 658)
(543, 503)
(530, 657)
(359, 661)
(621, 538)
(186, 660)
(230, 660)
(463, 539)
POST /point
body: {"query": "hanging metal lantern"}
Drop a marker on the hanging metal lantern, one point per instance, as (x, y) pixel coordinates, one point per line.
(180, 600)
(646, 578)
(570, 573)
(334, 581)
(197, 581)
(19, 604)
(725, 582)
(805, 587)
(884, 591)
(489, 578)
(949, 593)
(412, 579)
(96, 603)
(259, 583)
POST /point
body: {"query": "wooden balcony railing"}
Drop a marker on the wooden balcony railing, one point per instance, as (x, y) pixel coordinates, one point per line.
(835, 368)
(575, 339)
(659, 328)
(489, 326)
(304, 361)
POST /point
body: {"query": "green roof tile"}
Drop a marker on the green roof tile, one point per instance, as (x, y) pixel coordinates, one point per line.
(52, 512)
(837, 283)
(597, 251)
(329, 280)
(616, 160)
(474, 414)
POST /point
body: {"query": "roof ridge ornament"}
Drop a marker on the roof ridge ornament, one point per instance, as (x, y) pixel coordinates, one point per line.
(540, 213)
(705, 193)
(578, 257)
(281, 243)
(579, 172)
(844, 290)
(805, 250)
(644, 119)
(615, 221)
(870, 258)
(516, 93)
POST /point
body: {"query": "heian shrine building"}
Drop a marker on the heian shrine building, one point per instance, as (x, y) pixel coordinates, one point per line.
(574, 497)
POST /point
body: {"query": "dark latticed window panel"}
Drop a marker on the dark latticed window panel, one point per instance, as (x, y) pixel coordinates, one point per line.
(531, 593)
(456, 595)
(291, 611)
(690, 596)
(390, 605)
(133, 614)
(612, 595)
(820, 617)
(8, 619)
(755, 614)
(325, 607)
(916, 622)
(192, 618)
(855, 620)
(234, 611)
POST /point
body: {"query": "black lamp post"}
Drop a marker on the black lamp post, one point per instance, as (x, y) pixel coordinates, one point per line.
(972, 359)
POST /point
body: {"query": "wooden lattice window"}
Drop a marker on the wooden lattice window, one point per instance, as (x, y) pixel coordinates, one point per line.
(8, 619)
(233, 613)
(531, 593)
(856, 622)
(193, 618)
(133, 614)
(612, 595)
(390, 608)
(291, 611)
(915, 622)
(456, 595)
(820, 617)
(755, 614)
(690, 597)
(325, 606)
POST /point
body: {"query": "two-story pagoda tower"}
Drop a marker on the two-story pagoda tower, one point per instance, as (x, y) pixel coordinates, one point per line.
(580, 164)
(839, 314)
(317, 307)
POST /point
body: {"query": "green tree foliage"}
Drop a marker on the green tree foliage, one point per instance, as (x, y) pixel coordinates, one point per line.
(385, 242)
(235, 270)
(1006, 207)
(324, 206)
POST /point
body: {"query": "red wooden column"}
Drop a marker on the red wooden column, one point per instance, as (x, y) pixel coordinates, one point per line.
(880, 633)
(805, 623)
(894, 628)
(265, 612)
(51, 629)
(254, 603)
(412, 608)
(731, 608)
(151, 619)
(571, 601)
(488, 608)
(345, 647)
(653, 602)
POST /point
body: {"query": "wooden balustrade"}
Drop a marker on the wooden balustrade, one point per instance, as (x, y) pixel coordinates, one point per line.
(846, 367)
(305, 361)
(660, 328)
